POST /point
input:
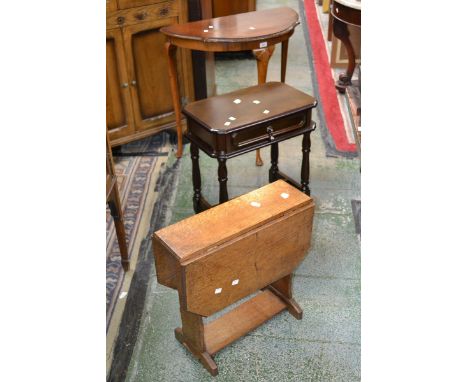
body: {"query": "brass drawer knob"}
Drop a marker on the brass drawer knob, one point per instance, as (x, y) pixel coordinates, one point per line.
(125, 85)
(120, 20)
(270, 133)
(141, 15)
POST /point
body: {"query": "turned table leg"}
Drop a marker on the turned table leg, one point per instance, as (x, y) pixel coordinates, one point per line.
(305, 163)
(171, 51)
(341, 32)
(196, 177)
(263, 58)
(273, 173)
(222, 178)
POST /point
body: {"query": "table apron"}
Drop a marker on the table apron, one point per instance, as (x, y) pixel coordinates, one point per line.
(212, 152)
(227, 46)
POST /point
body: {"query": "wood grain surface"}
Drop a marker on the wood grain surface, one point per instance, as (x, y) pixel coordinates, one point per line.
(239, 268)
(213, 227)
(241, 320)
(250, 26)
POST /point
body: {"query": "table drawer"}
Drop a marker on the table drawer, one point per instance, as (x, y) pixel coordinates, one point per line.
(269, 132)
(133, 16)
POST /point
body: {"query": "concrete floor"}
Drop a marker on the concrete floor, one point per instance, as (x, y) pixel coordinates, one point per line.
(325, 344)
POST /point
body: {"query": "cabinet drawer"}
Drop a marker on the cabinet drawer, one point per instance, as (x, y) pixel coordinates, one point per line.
(268, 132)
(133, 16)
(111, 6)
(124, 4)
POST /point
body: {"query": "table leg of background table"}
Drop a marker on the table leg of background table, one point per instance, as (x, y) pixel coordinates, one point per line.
(116, 213)
(171, 51)
(196, 178)
(273, 173)
(222, 178)
(341, 32)
(263, 58)
(305, 164)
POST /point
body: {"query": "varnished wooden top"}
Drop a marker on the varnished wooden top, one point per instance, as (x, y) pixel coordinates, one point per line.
(257, 104)
(242, 27)
(209, 229)
(348, 11)
(356, 4)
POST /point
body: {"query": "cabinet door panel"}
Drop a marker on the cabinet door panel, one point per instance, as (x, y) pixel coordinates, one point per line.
(150, 66)
(118, 104)
(148, 70)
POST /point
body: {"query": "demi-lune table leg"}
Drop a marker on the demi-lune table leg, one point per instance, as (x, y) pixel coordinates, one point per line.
(263, 58)
(284, 59)
(171, 51)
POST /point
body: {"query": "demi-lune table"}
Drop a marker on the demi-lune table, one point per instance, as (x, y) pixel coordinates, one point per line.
(258, 31)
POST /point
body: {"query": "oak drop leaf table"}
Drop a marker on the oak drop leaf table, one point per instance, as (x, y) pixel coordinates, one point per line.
(250, 244)
(258, 31)
(232, 124)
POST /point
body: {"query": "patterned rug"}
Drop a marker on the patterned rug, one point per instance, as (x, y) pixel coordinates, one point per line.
(135, 174)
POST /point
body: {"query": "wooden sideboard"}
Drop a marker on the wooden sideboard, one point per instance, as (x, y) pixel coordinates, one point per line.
(138, 100)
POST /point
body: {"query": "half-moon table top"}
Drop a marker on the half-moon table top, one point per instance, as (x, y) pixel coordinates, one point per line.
(347, 11)
(250, 30)
(356, 4)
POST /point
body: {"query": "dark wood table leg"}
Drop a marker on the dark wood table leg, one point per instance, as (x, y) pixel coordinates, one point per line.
(341, 32)
(222, 178)
(305, 164)
(284, 59)
(263, 58)
(196, 177)
(116, 211)
(330, 24)
(171, 51)
(273, 173)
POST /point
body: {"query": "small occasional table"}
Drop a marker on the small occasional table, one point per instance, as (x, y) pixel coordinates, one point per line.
(258, 31)
(346, 12)
(232, 124)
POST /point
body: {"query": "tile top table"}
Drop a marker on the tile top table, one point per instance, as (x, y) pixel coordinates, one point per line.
(245, 31)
